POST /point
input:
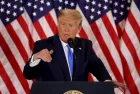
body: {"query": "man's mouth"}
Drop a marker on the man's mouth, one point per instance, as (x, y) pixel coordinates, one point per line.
(66, 35)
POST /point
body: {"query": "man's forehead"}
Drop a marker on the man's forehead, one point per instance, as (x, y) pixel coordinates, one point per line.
(67, 17)
(68, 21)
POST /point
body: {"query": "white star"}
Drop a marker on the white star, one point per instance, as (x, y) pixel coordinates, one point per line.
(99, 5)
(121, 13)
(21, 8)
(59, 8)
(115, 11)
(72, 4)
(7, 19)
(86, 7)
(93, 2)
(110, 1)
(106, 1)
(34, 13)
(114, 18)
(9, 4)
(2, 10)
(128, 8)
(105, 7)
(16, 0)
(8, 12)
(41, 9)
(14, 14)
(29, 4)
(36, 0)
(15, 6)
(87, 1)
(99, 12)
(122, 6)
(20, 1)
(2, 2)
(66, 2)
(116, 4)
(42, 1)
(91, 17)
(60, 1)
(35, 6)
(129, 1)
(48, 3)
(92, 10)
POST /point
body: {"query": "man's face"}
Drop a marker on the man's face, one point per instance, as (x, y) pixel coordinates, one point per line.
(67, 28)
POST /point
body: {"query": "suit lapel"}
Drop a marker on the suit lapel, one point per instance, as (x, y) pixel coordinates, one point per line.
(61, 59)
(78, 56)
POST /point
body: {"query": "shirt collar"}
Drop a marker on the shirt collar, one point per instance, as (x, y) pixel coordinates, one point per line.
(63, 43)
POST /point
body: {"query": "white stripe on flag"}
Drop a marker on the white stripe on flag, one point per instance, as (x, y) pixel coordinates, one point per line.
(21, 35)
(45, 26)
(12, 75)
(32, 30)
(53, 15)
(130, 62)
(3, 87)
(135, 11)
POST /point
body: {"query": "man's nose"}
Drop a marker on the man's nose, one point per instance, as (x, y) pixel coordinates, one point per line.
(67, 28)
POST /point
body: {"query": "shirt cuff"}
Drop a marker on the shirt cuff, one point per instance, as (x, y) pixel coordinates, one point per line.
(34, 63)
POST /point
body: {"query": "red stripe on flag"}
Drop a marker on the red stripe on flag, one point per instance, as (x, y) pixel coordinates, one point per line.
(83, 34)
(51, 23)
(17, 42)
(25, 28)
(134, 24)
(106, 52)
(114, 38)
(39, 30)
(119, 30)
(14, 63)
(132, 50)
(6, 80)
(128, 77)
(111, 31)
(90, 78)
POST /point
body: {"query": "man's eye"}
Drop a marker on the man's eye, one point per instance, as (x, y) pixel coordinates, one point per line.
(71, 25)
(63, 24)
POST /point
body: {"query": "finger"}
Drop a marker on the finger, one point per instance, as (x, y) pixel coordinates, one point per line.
(121, 85)
(42, 55)
(45, 52)
(51, 51)
(47, 56)
(121, 89)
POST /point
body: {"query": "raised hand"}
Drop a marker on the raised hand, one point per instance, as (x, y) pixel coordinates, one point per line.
(44, 54)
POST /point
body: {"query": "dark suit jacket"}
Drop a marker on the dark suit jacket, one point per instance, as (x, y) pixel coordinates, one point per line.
(85, 61)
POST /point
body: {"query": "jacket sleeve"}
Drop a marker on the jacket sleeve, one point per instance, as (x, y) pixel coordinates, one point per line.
(96, 66)
(32, 72)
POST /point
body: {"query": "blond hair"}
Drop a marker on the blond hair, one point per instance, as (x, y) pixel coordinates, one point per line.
(72, 13)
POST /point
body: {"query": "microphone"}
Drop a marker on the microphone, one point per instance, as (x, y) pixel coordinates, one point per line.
(71, 42)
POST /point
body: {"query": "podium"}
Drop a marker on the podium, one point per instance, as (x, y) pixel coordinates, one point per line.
(72, 88)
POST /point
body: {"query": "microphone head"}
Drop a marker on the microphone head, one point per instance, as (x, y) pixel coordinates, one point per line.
(71, 42)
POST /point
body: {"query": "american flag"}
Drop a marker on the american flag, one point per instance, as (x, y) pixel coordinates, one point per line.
(112, 25)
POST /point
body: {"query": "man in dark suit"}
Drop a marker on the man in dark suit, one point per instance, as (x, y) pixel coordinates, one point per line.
(50, 62)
